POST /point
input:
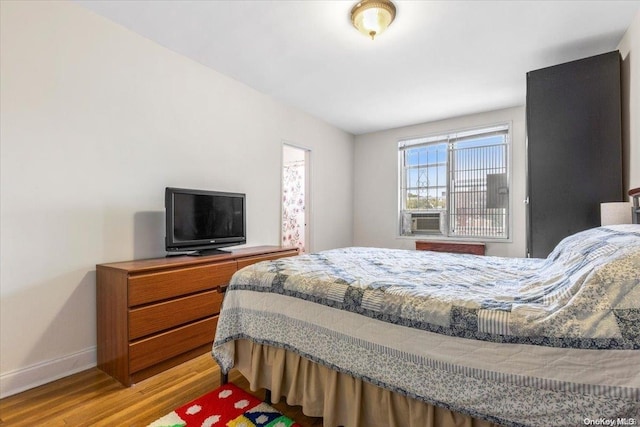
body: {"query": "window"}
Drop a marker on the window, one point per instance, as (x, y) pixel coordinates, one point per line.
(456, 185)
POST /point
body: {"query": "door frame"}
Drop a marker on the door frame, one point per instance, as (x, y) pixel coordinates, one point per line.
(308, 217)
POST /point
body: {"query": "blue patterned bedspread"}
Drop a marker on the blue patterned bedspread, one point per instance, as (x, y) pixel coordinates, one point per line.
(519, 342)
(586, 294)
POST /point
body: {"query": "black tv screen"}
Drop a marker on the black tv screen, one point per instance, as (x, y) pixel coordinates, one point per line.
(201, 220)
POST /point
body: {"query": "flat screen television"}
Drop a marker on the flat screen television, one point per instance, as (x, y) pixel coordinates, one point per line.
(200, 222)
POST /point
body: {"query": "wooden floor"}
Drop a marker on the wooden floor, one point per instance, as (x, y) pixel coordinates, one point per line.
(92, 398)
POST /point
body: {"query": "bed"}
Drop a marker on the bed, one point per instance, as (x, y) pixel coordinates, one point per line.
(369, 336)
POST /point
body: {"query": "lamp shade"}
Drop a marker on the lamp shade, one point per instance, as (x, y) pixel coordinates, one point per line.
(615, 213)
(372, 17)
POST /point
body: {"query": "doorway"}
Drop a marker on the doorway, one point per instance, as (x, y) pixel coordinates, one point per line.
(295, 197)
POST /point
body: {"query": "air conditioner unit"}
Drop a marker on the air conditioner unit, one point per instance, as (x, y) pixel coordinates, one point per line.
(426, 223)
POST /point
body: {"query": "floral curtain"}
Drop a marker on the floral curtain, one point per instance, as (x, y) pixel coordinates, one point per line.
(293, 208)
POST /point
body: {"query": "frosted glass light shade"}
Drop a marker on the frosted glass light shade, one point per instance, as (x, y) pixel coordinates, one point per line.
(372, 17)
(615, 213)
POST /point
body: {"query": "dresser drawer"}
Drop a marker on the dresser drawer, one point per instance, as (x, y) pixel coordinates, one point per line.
(164, 315)
(243, 262)
(146, 288)
(152, 350)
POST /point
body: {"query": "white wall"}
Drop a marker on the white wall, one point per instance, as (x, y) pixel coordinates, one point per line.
(376, 181)
(629, 48)
(96, 121)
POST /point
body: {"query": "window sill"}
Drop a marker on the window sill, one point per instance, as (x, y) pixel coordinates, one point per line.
(454, 239)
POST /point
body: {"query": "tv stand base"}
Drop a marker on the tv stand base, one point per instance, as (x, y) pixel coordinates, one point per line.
(204, 252)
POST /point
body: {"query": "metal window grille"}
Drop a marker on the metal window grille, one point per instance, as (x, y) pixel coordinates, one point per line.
(462, 177)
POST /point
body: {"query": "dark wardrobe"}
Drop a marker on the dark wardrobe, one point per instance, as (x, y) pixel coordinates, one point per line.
(574, 148)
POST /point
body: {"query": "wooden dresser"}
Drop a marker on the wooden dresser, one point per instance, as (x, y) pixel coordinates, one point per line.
(475, 248)
(157, 313)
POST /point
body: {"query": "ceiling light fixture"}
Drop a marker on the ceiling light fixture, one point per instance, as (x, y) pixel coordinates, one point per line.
(372, 17)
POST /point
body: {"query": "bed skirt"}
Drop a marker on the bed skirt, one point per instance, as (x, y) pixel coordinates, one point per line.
(339, 398)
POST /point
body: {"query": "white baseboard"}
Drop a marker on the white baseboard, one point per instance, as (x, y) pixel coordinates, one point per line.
(22, 379)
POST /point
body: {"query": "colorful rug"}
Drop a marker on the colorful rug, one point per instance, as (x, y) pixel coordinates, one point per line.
(228, 406)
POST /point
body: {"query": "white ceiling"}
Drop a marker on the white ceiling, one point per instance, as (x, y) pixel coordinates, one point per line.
(438, 59)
